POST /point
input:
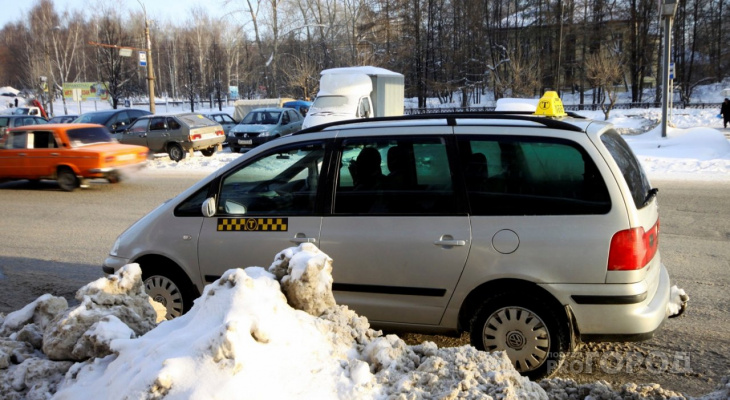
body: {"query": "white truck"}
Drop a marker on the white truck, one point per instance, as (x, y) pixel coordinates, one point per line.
(356, 92)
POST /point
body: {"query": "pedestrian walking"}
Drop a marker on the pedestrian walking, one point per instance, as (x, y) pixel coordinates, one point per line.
(725, 112)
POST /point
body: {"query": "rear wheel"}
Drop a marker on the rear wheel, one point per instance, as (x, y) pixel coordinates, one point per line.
(67, 180)
(170, 290)
(209, 151)
(175, 152)
(534, 336)
(114, 177)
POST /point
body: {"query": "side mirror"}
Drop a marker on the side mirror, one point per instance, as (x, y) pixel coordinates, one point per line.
(208, 207)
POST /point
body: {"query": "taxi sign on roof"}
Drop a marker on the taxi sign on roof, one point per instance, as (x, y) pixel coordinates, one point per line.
(550, 105)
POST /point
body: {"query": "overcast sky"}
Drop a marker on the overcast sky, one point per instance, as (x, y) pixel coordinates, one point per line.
(175, 10)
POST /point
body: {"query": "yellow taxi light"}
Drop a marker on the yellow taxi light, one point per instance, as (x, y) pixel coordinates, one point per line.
(550, 105)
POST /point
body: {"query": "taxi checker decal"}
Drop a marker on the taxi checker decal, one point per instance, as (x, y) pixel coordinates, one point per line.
(253, 224)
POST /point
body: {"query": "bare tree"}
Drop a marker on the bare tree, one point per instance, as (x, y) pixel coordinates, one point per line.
(191, 74)
(303, 78)
(604, 72)
(115, 71)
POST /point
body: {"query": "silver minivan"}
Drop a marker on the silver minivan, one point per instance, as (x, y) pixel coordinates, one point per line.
(530, 233)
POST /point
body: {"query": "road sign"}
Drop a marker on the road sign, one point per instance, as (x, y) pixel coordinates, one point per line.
(142, 59)
(671, 70)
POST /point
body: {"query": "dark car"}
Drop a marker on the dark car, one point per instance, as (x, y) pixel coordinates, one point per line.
(115, 120)
(300, 105)
(224, 119)
(63, 119)
(11, 121)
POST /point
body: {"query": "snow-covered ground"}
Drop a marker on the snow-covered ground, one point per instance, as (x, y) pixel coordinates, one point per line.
(276, 332)
(696, 146)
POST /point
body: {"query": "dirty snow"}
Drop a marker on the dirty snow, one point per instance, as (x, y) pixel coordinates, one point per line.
(254, 333)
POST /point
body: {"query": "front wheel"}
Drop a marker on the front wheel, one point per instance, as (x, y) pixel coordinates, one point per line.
(534, 336)
(209, 151)
(67, 180)
(169, 290)
(175, 152)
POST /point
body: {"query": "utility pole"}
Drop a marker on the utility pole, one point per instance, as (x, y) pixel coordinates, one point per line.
(669, 8)
(150, 69)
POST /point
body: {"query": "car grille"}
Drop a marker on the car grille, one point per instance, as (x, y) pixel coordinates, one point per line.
(247, 135)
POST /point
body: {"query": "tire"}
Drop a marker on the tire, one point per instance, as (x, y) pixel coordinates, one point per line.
(67, 180)
(209, 151)
(534, 336)
(234, 149)
(114, 178)
(175, 152)
(169, 289)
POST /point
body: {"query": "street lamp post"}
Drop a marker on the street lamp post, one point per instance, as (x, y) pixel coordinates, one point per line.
(150, 69)
(669, 8)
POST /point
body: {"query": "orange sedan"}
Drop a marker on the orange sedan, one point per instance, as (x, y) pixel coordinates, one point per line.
(67, 153)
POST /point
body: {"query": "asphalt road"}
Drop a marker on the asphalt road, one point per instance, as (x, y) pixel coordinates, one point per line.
(55, 242)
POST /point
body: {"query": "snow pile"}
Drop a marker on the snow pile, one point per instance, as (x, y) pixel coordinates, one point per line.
(678, 299)
(241, 336)
(41, 341)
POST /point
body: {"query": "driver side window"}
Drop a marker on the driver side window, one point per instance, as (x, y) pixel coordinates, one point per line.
(283, 182)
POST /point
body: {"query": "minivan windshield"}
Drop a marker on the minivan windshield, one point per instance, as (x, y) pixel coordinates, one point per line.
(329, 102)
(634, 175)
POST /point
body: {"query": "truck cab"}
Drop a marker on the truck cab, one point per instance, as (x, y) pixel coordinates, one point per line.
(356, 92)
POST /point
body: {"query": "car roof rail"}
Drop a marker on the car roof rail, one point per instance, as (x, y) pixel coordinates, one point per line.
(451, 119)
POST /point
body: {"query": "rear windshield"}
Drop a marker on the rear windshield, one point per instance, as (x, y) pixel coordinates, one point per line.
(86, 136)
(195, 120)
(630, 167)
(96, 118)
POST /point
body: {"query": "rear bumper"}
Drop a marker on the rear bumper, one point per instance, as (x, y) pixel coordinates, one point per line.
(203, 143)
(618, 312)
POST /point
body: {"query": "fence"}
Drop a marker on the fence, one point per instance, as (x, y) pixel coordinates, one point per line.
(569, 107)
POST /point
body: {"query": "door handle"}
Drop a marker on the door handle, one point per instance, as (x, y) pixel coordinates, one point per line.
(55, 154)
(22, 154)
(302, 238)
(449, 241)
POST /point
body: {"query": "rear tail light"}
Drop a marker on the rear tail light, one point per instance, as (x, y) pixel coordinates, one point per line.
(109, 159)
(196, 136)
(632, 249)
(219, 133)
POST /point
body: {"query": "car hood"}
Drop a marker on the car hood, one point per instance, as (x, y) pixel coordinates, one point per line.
(253, 128)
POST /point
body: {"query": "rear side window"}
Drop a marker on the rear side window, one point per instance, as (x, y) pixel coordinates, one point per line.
(44, 140)
(629, 165)
(400, 176)
(531, 176)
